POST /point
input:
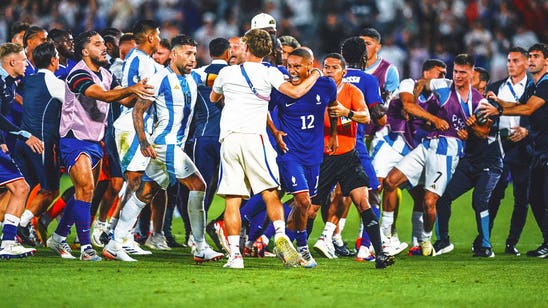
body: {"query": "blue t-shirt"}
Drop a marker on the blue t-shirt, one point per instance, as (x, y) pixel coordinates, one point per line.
(302, 120)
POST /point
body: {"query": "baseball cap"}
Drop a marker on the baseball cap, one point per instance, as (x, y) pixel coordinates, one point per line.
(263, 20)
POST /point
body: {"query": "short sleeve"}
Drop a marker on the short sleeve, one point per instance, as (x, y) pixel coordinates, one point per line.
(275, 77)
(219, 81)
(407, 85)
(392, 79)
(79, 81)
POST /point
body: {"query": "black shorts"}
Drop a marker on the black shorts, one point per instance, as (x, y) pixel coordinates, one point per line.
(40, 169)
(345, 169)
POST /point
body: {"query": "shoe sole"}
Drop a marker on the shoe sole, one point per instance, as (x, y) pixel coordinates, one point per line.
(112, 257)
(446, 249)
(324, 251)
(200, 260)
(18, 256)
(289, 256)
(395, 251)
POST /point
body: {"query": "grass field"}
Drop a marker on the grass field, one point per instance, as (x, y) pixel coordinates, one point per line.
(171, 279)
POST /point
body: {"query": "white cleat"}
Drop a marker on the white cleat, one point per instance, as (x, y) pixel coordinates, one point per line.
(307, 261)
(15, 250)
(114, 251)
(132, 247)
(61, 248)
(98, 229)
(236, 261)
(157, 241)
(392, 246)
(207, 254)
(325, 247)
(427, 249)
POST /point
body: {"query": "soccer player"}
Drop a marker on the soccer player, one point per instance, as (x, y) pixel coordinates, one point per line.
(12, 66)
(161, 55)
(44, 94)
(534, 103)
(300, 142)
(64, 43)
(344, 166)
(437, 156)
(246, 90)
(174, 101)
(480, 79)
(289, 44)
(89, 89)
(514, 131)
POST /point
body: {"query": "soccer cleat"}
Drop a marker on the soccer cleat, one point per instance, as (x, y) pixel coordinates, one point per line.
(476, 244)
(342, 251)
(427, 248)
(484, 252)
(172, 243)
(40, 231)
(132, 247)
(15, 250)
(221, 233)
(365, 255)
(157, 241)
(210, 229)
(393, 246)
(61, 248)
(89, 254)
(540, 252)
(512, 250)
(258, 249)
(415, 251)
(384, 260)
(325, 247)
(307, 261)
(236, 261)
(286, 252)
(98, 229)
(27, 235)
(443, 246)
(113, 251)
(207, 254)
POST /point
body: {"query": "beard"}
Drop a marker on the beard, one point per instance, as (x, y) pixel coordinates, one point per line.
(97, 61)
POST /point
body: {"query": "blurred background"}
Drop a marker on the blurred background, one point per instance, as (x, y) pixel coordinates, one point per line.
(412, 30)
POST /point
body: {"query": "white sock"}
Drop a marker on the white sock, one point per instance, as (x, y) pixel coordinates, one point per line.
(266, 240)
(56, 237)
(417, 223)
(386, 223)
(113, 223)
(279, 226)
(342, 223)
(196, 216)
(234, 244)
(84, 247)
(26, 218)
(128, 217)
(337, 238)
(328, 230)
(426, 236)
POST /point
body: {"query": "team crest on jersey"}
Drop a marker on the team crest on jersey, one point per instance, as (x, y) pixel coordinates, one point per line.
(318, 99)
(176, 87)
(135, 78)
(294, 180)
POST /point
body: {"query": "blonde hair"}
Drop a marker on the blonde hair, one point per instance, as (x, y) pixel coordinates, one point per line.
(9, 48)
(259, 42)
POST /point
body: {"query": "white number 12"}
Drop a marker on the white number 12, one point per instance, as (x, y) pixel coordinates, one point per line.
(310, 119)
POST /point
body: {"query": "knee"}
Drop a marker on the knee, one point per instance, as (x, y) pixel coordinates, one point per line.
(85, 191)
(389, 184)
(19, 188)
(430, 203)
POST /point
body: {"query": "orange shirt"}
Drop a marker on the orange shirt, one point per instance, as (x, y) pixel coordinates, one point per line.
(352, 98)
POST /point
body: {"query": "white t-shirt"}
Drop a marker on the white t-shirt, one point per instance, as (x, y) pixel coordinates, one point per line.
(243, 111)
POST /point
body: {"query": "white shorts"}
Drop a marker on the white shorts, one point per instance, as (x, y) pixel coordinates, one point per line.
(171, 164)
(248, 164)
(438, 161)
(384, 155)
(129, 151)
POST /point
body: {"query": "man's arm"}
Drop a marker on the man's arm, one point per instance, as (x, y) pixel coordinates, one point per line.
(138, 122)
(410, 106)
(333, 142)
(34, 143)
(297, 91)
(527, 109)
(278, 134)
(140, 89)
(215, 97)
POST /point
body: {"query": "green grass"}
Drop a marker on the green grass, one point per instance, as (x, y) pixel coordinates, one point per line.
(171, 278)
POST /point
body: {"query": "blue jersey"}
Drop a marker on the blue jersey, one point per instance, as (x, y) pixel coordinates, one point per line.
(43, 96)
(302, 120)
(539, 118)
(63, 70)
(207, 115)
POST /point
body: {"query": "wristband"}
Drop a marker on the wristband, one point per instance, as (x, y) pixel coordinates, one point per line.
(350, 114)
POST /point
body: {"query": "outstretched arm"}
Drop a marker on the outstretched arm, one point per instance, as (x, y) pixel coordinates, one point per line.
(138, 122)
(297, 91)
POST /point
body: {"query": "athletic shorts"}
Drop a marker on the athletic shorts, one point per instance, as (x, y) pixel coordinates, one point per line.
(367, 165)
(297, 178)
(437, 158)
(248, 164)
(72, 148)
(8, 170)
(111, 151)
(171, 164)
(345, 169)
(40, 169)
(129, 151)
(387, 149)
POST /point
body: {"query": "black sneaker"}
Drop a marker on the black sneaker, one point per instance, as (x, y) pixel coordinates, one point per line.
(512, 250)
(476, 244)
(210, 229)
(484, 252)
(383, 261)
(26, 235)
(443, 246)
(172, 243)
(343, 251)
(105, 237)
(540, 252)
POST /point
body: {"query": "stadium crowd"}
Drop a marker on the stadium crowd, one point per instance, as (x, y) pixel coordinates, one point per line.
(145, 120)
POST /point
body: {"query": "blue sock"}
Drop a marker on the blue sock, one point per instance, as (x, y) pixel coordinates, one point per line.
(483, 228)
(366, 241)
(9, 230)
(290, 234)
(377, 211)
(67, 220)
(256, 226)
(269, 231)
(302, 238)
(82, 217)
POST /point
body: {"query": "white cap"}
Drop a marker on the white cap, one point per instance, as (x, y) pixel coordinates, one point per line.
(263, 20)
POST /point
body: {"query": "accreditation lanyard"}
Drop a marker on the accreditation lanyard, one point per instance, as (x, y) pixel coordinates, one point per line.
(511, 88)
(466, 106)
(266, 98)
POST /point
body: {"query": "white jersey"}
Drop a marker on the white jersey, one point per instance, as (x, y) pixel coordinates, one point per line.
(245, 112)
(174, 104)
(137, 66)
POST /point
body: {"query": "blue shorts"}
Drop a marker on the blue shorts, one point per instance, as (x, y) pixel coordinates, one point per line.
(40, 169)
(8, 170)
(72, 148)
(298, 178)
(367, 164)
